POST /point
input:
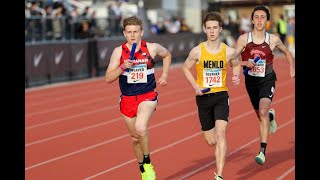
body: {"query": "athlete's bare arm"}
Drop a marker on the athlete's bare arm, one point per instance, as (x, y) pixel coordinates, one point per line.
(241, 44)
(276, 42)
(233, 58)
(113, 70)
(157, 49)
(191, 60)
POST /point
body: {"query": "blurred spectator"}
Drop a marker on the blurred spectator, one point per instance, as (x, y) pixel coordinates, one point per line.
(38, 15)
(291, 35)
(48, 23)
(114, 18)
(154, 29)
(176, 24)
(161, 27)
(282, 28)
(94, 28)
(227, 35)
(84, 31)
(225, 21)
(74, 21)
(27, 16)
(58, 20)
(172, 25)
(184, 26)
(268, 26)
(234, 28)
(86, 13)
(245, 24)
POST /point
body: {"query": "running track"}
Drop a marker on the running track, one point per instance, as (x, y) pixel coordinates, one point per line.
(74, 131)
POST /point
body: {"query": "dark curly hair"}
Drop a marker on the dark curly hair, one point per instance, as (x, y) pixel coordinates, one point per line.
(263, 8)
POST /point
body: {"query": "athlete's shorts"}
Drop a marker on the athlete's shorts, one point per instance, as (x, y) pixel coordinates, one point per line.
(258, 91)
(129, 104)
(211, 107)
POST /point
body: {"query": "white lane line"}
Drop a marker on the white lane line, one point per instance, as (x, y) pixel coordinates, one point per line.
(286, 173)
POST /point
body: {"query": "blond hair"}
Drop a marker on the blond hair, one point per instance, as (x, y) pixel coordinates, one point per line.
(133, 20)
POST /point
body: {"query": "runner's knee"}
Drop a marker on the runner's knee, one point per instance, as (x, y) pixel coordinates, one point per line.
(263, 112)
(211, 141)
(135, 139)
(141, 130)
(220, 136)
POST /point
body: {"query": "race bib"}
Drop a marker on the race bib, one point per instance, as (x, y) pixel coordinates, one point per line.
(212, 77)
(137, 74)
(259, 70)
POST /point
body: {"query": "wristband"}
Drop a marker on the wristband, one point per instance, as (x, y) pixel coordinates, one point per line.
(122, 67)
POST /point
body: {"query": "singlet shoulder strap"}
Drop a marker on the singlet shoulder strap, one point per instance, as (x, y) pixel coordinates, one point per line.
(249, 38)
(267, 39)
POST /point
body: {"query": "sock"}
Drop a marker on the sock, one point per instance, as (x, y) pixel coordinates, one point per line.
(146, 159)
(141, 167)
(263, 147)
(271, 117)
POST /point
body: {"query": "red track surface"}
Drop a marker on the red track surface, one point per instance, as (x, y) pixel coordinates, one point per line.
(75, 131)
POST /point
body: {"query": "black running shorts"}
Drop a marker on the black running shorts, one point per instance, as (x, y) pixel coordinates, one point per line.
(261, 89)
(211, 107)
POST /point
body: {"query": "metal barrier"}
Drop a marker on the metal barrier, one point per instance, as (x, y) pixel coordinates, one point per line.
(47, 63)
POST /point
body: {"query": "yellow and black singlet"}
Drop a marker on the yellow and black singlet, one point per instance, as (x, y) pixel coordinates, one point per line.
(212, 69)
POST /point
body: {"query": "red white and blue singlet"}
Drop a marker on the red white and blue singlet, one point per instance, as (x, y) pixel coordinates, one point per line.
(139, 79)
(251, 51)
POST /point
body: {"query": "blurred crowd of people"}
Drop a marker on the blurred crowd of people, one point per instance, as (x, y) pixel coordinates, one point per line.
(56, 20)
(170, 25)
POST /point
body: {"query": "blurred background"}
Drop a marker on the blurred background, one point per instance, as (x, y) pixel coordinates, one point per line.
(67, 40)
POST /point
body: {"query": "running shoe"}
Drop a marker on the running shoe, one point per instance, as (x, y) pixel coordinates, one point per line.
(151, 174)
(273, 123)
(144, 176)
(260, 158)
(218, 177)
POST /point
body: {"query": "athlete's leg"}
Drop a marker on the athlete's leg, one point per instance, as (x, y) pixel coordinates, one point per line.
(264, 106)
(130, 122)
(217, 135)
(266, 94)
(145, 111)
(221, 147)
(210, 137)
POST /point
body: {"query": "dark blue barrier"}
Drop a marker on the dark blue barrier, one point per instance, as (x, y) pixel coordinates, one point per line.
(79, 59)
(47, 63)
(59, 62)
(105, 48)
(36, 64)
